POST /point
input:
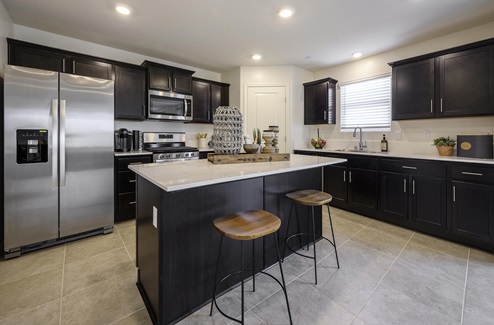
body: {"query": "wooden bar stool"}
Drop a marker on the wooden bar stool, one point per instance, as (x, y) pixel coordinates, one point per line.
(310, 198)
(242, 226)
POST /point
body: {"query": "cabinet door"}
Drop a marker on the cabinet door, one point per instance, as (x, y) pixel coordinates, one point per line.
(467, 82)
(394, 196)
(473, 211)
(160, 78)
(91, 68)
(316, 103)
(32, 57)
(182, 82)
(130, 93)
(335, 183)
(220, 96)
(413, 90)
(428, 203)
(362, 189)
(201, 93)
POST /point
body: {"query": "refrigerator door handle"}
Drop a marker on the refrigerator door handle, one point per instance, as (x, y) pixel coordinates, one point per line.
(54, 140)
(62, 142)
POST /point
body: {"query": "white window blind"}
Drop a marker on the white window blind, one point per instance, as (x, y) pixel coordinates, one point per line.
(366, 104)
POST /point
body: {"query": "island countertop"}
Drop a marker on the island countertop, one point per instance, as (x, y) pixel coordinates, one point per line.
(175, 176)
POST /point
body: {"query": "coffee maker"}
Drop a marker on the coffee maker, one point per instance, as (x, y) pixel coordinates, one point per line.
(123, 140)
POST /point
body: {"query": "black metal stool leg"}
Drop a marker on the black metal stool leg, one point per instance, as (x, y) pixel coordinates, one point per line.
(216, 276)
(242, 277)
(282, 277)
(314, 238)
(308, 231)
(253, 265)
(332, 233)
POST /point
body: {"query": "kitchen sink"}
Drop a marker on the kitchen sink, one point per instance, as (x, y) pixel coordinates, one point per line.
(356, 150)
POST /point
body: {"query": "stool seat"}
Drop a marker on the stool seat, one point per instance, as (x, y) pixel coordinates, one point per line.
(310, 197)
(247, 225)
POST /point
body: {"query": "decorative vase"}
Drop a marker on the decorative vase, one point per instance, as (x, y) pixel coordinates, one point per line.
(275, 130)
(444, 151)
(227, 130)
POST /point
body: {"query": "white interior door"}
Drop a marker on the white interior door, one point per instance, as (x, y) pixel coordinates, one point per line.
(267, 106)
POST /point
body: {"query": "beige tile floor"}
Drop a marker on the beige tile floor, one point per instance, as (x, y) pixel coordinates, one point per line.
(388, 275)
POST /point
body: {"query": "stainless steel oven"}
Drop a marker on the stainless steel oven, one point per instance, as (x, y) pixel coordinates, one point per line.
(164, 105)
(168, 146)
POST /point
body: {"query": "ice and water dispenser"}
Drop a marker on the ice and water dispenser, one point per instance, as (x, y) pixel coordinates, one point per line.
(32, 146)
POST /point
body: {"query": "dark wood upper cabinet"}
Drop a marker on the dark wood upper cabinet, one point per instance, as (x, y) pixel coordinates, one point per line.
(166, 78)
(130, 92)
(46, 58)
(451, 83)
(466, 83)
(320, 101)
(91, 68)
(207, 97)
(36, 57)
(413, 90)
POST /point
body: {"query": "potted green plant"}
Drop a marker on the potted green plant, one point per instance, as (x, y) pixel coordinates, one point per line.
(444, 145)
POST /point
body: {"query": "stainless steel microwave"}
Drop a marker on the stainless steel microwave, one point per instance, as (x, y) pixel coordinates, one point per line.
(164, 105)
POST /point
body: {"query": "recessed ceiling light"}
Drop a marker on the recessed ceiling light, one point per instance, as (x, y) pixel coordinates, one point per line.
(256, 57)
(356, 55)
(123, 10)
(285, 12)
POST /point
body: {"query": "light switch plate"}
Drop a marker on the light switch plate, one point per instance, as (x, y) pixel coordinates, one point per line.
(398, 135)
(427, 134)
(155, 217)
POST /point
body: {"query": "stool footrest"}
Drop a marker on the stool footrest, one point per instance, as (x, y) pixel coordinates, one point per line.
(304, 234)
(233, 273)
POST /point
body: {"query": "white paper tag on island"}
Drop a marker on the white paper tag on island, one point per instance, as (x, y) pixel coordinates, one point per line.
(155, 217)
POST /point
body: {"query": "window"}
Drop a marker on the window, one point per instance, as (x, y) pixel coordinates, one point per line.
(366, 104)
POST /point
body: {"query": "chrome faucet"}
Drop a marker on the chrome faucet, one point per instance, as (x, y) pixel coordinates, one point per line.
(361, 144)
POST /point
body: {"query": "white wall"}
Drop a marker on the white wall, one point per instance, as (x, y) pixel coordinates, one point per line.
(412, 131)
(71, 44)
(6, 30)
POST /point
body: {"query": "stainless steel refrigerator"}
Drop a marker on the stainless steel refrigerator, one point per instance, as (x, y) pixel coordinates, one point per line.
(58, 158)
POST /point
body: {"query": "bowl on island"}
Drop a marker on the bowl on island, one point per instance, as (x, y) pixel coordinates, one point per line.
(251, 148)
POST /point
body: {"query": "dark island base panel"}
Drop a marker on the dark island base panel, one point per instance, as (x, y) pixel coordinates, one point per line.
(176, 262)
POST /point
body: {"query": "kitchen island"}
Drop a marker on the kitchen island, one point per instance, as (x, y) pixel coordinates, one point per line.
(177, 245)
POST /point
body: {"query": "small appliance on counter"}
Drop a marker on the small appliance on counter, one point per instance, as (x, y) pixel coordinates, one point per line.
(123, 140)
(475, 146)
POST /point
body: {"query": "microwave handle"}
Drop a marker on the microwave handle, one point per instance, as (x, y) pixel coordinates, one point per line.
(186, 107)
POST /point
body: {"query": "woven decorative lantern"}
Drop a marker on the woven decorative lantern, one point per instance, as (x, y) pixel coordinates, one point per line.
(227, 130)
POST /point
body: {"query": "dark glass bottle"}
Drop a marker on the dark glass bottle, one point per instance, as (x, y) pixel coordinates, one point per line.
(384, 144)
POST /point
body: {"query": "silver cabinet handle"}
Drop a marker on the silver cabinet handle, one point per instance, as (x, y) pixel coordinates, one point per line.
(170, 82)
(344, 176)
(73, 67)
(62, 142)
(54, 140)
(441, 105)
(405, 185)
(174, 83)
(132, 181)
(325, 115)
(132, 202)
(473, 174)
(408, 167)
(413, 186)
(431, 107)
(349, 177)
(454, 193)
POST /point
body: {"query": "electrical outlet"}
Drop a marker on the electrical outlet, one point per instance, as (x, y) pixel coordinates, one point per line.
(488, 132)
(427, 134)
(398, 135)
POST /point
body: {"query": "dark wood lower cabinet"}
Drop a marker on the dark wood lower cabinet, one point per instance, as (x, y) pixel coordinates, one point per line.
(335, 184)
(394, 197)
(473, 211)
(428, 203)
(176, 254)
(362, 189)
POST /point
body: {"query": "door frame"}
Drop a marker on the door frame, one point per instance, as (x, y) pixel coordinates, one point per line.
(288, 110)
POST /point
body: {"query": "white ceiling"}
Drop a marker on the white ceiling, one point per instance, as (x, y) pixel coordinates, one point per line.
(221, 34)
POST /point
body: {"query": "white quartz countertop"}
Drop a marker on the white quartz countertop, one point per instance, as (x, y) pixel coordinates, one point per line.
(407, 156)
(180, 175)
(133, 153)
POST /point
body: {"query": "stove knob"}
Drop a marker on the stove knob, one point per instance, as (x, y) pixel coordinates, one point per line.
(186, 155)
